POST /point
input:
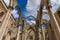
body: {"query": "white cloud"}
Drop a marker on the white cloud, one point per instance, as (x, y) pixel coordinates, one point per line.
(32, 7)
(33, 4)
(55, 4)
(14, 13)
(32, 12)
(46, 16)
(7, 2)
(53, 0)
(56, 1)
(31, 22)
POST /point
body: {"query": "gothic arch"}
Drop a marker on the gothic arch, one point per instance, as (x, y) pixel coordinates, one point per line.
(30, 16)
(29, 31)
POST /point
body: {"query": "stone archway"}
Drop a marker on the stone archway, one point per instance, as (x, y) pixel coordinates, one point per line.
(30, 34)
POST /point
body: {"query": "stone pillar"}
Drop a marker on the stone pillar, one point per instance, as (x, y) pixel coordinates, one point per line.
(8, 35)
(40, 35)
(51, 33)
(26, 34)
(43, 32)
(19, 35)
(36, 30)
(4, 24)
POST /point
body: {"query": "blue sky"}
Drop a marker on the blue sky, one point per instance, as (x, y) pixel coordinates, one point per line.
(22, 4)
(30, 7)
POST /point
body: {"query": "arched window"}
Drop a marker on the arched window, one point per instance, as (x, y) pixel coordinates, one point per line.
(46, 16)
(44, 25)
(20, 28)
(30, 20)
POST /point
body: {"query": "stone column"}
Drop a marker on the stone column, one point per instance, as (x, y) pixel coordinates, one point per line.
(43, 32)
(51, 33)
(40, 35)
(4, 24)
(8, 35)
(19, 35)
(36, 30)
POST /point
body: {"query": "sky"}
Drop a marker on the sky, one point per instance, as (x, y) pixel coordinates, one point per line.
(30, 7)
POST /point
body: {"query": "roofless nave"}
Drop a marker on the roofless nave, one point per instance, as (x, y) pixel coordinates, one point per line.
(10, 28)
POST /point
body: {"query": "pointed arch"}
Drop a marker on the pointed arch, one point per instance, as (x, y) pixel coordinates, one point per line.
(29, 31)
